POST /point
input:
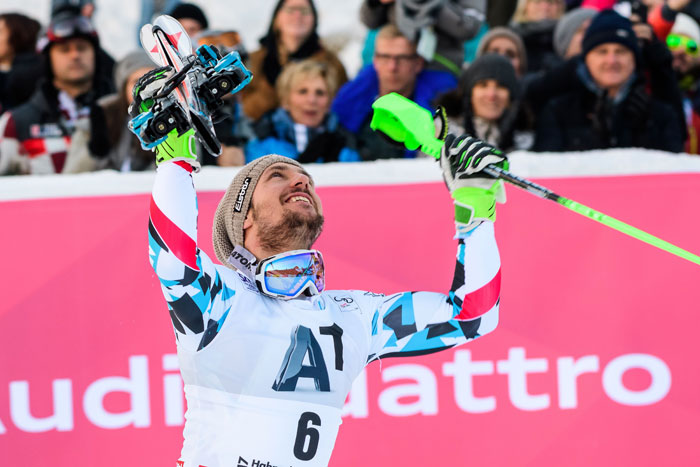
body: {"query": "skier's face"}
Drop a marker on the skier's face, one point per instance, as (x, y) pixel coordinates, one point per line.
(286, 212)
(611, 65)
(72, 61)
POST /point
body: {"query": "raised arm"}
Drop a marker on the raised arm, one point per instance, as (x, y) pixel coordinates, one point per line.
(416, 323)
(191, 284)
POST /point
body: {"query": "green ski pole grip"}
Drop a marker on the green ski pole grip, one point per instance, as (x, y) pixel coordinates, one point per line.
(406, 122)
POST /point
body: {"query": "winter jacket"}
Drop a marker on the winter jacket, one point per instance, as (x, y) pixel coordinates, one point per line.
(18, 84)
(537, 37)
(353, 106)
(584, 118)
(260, 96)
(276, 133)
(35, 137)
(112, 142)
(453, 21)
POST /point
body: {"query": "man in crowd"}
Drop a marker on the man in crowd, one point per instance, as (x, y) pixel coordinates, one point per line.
(684, 43)
(267, 356)
(607, 104)
(36, 136)
(395, 68)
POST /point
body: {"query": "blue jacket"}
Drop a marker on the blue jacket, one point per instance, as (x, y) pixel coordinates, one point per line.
(353, 103)
(275, 135)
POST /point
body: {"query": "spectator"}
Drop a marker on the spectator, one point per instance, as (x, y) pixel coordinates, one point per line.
(396, 68)
(36, 136)
(303, 128)
(534, 22)
(232, 128)
(438, 27)
(19, 62)
(662, 14)
(503, 41)
(499, 13)
(291, 37)
(84, 8)
(607, 105)
(191, 17)
(569, 31)
(684, 43)
(110, 139)
(67, 12)
(490, 105)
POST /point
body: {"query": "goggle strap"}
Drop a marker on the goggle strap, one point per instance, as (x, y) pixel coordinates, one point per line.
(243, 260)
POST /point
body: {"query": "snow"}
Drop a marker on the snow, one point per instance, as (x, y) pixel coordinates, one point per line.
(400, 171)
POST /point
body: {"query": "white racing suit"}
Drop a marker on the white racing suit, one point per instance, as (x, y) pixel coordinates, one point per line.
(266, 379)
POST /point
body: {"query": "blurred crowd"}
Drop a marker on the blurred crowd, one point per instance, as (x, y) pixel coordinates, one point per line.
(538, 75)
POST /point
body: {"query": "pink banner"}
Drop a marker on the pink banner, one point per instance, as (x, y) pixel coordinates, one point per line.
(592, 364)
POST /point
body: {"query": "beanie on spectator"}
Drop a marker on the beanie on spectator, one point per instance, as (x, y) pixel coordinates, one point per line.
(502, 31)
(686, 26)
(609, 26)
(230, 215)
(132, 62)
(567, 26)
(491, 66)
(191, 11)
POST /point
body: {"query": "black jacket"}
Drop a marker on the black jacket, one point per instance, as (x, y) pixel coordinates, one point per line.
(581, 120)
(20, 82)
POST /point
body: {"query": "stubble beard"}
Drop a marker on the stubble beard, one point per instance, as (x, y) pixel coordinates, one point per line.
(293, 232)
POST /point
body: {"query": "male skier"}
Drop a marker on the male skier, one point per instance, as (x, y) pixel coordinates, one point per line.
(266, 354)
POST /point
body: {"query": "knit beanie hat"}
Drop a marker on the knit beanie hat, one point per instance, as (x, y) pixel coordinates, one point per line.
(502, 31)
(609, 26)
(686, 26)
(492, 66)
(233, 208)
(567, 26)
(189, 10)
(132, 62)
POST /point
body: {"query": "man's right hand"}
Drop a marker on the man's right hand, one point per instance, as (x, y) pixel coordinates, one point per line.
(475, 193)
(175, 147)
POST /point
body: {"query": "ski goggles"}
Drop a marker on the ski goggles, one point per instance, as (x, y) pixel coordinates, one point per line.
(674, 41)
(289, 274)
(70, 27)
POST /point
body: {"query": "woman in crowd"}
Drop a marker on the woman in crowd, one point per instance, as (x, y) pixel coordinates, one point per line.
(291, 37)
(19, 62)
(503, 41)
(111, 142)
(488, 92)
(303, 127)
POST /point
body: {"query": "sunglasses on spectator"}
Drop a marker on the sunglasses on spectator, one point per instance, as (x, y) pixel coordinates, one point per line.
(674, 41)
(399, 59)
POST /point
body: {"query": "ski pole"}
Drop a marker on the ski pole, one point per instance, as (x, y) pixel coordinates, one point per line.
(406, 122)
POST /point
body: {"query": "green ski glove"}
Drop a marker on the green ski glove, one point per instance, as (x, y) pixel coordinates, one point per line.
(175, 147)
(475, 194)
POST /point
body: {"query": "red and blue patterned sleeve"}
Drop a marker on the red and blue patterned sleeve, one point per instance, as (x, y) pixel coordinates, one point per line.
(193, 288)
(418, 323)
